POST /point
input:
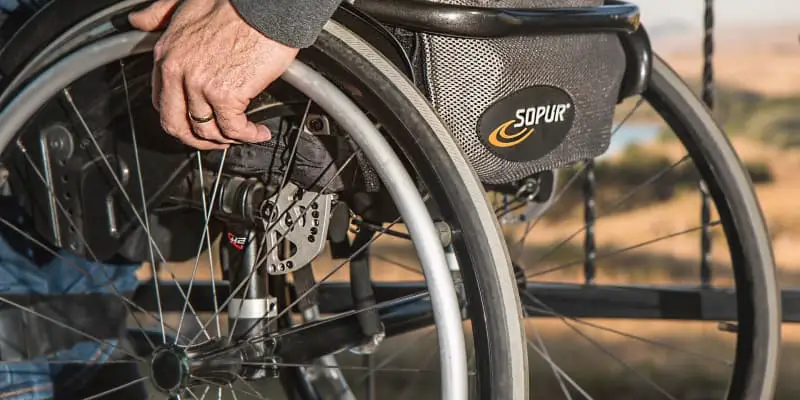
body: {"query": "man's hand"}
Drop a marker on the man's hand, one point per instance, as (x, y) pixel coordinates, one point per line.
(209, 62)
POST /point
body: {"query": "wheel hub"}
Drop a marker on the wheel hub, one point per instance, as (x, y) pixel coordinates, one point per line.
(169, 369)
(175, 368)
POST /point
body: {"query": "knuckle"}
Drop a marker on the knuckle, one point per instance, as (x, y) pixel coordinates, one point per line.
(226, 117)
(171, 67)
(171, 128)
(220, 95)
(167, 128)
(228, 129)
(234, 134)
(202, 133)
(159, 50)
(216, 97)
(195, 80)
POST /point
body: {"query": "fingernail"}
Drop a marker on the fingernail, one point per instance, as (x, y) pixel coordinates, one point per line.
(263, 133)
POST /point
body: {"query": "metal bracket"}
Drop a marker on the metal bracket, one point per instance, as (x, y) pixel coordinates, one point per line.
(301, 218)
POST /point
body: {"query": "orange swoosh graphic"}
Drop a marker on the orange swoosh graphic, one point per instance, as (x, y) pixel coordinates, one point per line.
(501, 132)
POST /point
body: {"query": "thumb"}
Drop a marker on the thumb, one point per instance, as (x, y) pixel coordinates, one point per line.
(154, 17)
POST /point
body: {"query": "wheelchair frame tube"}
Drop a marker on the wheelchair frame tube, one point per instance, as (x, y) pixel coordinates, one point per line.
(478, 22)
(484, 23)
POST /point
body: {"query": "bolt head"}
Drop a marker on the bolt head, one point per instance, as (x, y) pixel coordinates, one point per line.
(315, 124)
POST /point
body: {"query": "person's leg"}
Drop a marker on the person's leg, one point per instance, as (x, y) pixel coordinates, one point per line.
(109, 378)
(24, 269)
(20, 381)
(75, 381)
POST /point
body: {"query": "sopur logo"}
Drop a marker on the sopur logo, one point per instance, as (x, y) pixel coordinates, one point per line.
(546, 114)
(527, 124)
(527, 119)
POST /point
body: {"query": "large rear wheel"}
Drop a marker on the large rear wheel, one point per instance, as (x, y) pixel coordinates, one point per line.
(104, 82)
(668, 289)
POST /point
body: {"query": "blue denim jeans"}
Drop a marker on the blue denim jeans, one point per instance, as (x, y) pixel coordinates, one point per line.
(19, 274)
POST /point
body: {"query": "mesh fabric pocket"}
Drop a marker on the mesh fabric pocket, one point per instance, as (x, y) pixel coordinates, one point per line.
(465, 77)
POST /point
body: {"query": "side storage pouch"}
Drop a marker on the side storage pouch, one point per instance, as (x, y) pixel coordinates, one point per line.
(521, 105)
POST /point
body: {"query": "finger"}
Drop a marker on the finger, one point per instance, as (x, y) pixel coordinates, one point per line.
(155, 86)
(235, 126)
(153, 17)
(172, 108)
(199, 108)
(201, 144)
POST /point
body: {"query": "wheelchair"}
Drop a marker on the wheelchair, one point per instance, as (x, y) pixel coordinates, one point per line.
(378, 245)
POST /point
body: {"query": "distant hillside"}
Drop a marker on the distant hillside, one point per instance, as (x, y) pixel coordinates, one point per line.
(762, 59)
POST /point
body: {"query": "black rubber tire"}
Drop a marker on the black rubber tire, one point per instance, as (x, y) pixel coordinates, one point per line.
(758, 295)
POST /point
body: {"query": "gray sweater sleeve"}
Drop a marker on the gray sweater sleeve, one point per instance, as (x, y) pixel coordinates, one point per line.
(295, 23)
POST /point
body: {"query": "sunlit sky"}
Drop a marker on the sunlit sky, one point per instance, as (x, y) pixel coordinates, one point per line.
(728, 12)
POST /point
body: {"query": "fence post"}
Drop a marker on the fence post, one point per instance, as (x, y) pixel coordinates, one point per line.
(589, 217)
(708, 99)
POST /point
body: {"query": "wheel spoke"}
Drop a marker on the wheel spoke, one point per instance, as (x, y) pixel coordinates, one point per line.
(529, 227)
(208, 382)
(397, 264)
(546, 355)
(401, 350)
(658, 175)
(63, 325)
(233, 393)
(144, 200)
(325, 278)
(285, 178)
(284, 181)
(429, 359)
(205, 392)
(69, 362)
(613, 208)
(207, 213)
(205, 237)
(348, 367)
(534, 273)
(191, 393)
(78, 232)
(383, 304)
(558, 369)
(120, 387)
(108, 165)
(76, 266)
(261, 260)
(627, 334)
(607, 352)
(121, 188)
(252, 389)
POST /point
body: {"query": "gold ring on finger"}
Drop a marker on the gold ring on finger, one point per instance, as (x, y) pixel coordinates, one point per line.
(201, 120)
